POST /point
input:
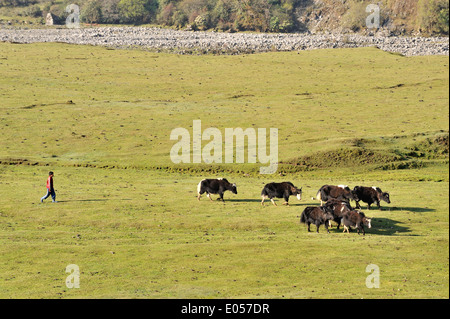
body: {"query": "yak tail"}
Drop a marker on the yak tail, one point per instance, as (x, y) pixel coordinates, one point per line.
(318, 196)
(199, 186)
(303, 217)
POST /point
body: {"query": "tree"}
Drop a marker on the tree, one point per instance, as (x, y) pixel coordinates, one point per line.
(136, 11)
(221, 15)
(110, 13)
(252, 15)
(434, 16)
(92, 12)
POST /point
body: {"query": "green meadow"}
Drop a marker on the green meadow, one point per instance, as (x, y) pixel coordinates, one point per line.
(128, 217)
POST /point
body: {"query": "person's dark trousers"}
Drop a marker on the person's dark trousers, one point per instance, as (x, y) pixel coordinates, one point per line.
(50, 192)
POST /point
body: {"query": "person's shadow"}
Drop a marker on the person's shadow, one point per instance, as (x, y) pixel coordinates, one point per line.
(90, 200)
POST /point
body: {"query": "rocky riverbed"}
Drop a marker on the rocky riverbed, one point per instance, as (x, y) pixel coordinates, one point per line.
(188, 42)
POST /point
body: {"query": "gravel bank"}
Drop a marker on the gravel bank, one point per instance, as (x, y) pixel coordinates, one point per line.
(229, 43)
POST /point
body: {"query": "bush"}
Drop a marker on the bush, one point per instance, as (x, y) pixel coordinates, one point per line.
(281, 19)
(201, 22)
(434, 16)
(91, 12)
(252, 15)
(16, 3)
(355, 17)
(110, 13)
(33, 11)
(274, 24)
(165, 16)
(221, 15)
(443, 20)
(179, 19)
(58, 12)
(136, 11)
(132, 11)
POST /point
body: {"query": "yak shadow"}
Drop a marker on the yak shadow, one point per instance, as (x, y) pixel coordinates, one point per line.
(410, 209)
(240, 200)
(396, 208)
(389, 227)
(380, 226)
(267, 202)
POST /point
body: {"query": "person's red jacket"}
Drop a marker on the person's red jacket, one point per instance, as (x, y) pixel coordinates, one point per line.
(50, 182)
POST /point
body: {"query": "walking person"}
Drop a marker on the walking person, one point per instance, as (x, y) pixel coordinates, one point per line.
(50, 189)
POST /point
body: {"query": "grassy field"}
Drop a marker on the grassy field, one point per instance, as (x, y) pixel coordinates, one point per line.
(128, 217)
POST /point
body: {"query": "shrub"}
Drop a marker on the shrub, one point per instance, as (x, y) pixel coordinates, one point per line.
(165, 16)
(274, 24)
(58, 12)
(201, 22)
(281, 19)
(434, 16)
(136, 11)
(91, 12)
(110, 13)
(221, 15)
(33, 11)
(16, 3)
(355, 17)
(179, 19)
(443, 20)
(253, 15)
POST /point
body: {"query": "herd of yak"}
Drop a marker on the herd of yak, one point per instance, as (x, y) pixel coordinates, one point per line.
(334, 201)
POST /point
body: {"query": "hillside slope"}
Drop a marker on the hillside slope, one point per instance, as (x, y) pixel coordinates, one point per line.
(357, 109)
(398, 17)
